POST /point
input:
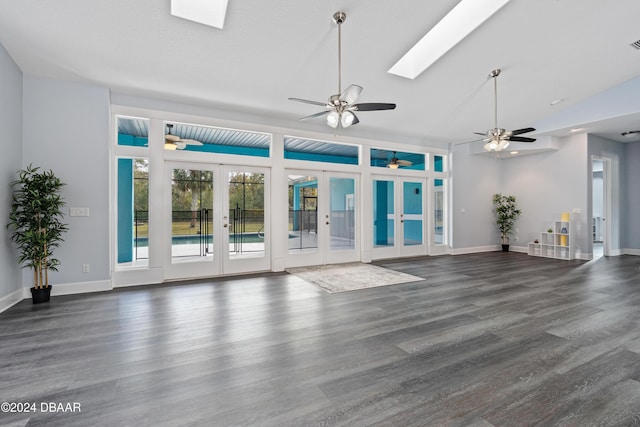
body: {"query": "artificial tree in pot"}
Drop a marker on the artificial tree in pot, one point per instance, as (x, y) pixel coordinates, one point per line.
(506, 214)
(36, 225)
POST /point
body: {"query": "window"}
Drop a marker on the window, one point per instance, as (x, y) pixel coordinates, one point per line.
(133, 132)
(133, 211)
(187, 137)
(320, 151)
(397, 159)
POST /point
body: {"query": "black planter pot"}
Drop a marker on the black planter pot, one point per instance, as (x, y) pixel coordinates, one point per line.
(505, 248)
(41, 295)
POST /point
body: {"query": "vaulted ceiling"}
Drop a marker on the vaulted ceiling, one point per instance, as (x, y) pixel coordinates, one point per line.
(569, 50)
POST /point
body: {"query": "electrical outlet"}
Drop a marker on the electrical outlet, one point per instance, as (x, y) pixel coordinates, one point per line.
(85, 268)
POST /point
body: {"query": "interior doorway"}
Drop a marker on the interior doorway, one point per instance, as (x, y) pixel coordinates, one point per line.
(600, 209)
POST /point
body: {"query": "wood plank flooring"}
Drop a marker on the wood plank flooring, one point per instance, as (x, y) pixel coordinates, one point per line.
(492, 339)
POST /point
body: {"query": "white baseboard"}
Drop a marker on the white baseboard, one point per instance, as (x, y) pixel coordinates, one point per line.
(74, 288)
(10, 300)
(628, 251)
(463, 251)
(136, 277)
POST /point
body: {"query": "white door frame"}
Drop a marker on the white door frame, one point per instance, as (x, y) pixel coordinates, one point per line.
(606, 205)
(323, 254)
(399, 249)
(220, 263)
(245, 263)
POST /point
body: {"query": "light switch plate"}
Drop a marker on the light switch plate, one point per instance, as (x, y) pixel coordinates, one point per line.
(78, 211)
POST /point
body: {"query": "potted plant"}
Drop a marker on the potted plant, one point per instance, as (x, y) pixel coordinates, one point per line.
(36, 225)
(506, 214)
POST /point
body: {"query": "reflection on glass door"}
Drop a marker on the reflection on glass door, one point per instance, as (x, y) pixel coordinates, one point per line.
(192, 231)
(245, 220)
(303, 213)
(438, 212)
(341, 218)
(411, 217)
(384, 225)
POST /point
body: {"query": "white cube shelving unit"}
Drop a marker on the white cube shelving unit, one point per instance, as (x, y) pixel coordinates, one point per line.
(557, 244)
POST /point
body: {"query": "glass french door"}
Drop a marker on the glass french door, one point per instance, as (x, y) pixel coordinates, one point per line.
(323, 221)
(398, 217)
(245, 220)
(217, 220)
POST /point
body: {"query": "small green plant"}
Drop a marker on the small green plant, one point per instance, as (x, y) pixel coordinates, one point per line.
(36, 221)
(550, 230)
(506, 212)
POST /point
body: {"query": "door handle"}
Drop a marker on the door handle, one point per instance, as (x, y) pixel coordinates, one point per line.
(327, 223)
(225, 225)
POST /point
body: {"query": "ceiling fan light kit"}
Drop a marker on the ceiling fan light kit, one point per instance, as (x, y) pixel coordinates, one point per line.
(498, 139)
(340, 108)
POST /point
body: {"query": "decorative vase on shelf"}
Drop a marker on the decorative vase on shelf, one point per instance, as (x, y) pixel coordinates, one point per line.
(563, 238)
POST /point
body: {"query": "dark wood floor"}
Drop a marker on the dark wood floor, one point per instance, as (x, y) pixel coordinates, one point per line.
(498, 339)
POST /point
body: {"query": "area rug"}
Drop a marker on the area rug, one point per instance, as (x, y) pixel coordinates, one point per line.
(351, 276)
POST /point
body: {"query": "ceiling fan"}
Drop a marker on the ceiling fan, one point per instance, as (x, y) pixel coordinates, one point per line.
(630, 133)
(395, 163)
(174, 142)
(498, 139)
(340, 108)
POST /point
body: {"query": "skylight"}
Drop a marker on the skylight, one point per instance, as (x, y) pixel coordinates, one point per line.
(455, 26)
(207, 12)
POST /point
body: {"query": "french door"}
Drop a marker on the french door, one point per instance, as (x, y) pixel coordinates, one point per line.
(323, 218)
(398, 217)
(217, 220)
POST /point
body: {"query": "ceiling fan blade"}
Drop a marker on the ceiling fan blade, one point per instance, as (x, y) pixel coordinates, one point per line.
(404, 162)
(306, 101)
(350, 94)
(373, 106)
(313, 116)
(521, 131)
(480, 133)
(521, 139)
(355, 120)
(171, 137)
(189, 142)
(180, 145)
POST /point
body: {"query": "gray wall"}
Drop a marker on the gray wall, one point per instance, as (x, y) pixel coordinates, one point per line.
(631, 205)
(475, 179)
(545, 185)
(548, 184)
(10, 161)
(66, 129)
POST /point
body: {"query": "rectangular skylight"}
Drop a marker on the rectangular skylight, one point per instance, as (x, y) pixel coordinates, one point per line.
(207, 12)
(455, 26)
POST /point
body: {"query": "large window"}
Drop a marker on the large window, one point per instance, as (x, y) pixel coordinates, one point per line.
(320, 151)
(208, 139)
(133, 211)
(397, 159)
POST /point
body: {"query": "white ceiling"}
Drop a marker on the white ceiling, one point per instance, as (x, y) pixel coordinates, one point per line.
(271, 50)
